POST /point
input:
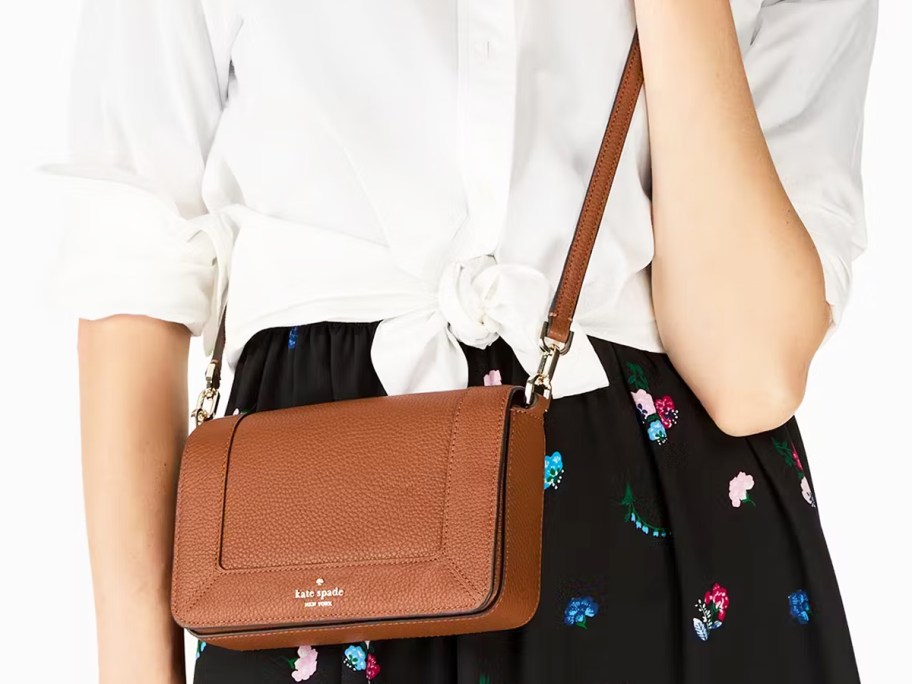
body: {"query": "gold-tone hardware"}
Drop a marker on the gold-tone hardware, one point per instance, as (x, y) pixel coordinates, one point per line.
(540, 381)
(208, 400)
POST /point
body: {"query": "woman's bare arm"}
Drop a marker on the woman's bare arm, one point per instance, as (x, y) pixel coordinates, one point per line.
(737, 283)
(134, 420)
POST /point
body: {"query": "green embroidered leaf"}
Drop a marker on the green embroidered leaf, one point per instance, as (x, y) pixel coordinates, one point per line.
(637, 377)
(628, 499)
(785, 450)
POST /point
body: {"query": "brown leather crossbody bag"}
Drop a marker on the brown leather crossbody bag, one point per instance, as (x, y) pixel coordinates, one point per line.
(382, 517)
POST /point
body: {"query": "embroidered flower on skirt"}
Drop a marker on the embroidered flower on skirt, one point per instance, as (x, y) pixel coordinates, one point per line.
(579, 610)
(554, 469)
(658, 415)
(790, 455)
(305, 665)
(361, 658)
(713, 609)
(738, 489)
(492, 377)
(800, 606)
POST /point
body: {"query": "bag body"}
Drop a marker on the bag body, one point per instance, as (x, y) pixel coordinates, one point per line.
(449, 482)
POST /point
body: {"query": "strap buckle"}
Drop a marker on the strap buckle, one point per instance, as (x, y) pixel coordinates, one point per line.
(208, 400)
(540, 381)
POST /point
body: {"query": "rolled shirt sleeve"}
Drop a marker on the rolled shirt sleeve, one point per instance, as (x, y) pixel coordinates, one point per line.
(146, 95)
(808, 65)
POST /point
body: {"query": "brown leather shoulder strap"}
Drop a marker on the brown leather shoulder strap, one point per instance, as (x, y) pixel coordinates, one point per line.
(566, 297)
(563, 306)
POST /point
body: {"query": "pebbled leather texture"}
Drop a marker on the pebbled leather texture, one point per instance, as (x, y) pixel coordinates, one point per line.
(378, 516)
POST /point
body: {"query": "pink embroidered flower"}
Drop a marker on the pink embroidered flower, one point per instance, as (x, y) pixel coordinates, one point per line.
(373, 668)
(492, 377)
(806, 491)
(668, 414)
(644, 403)
(306, 664)
(718, 597)
(712, 609)
(738, 489)
(796, 459)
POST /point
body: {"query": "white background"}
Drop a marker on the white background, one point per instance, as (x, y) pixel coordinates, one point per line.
(855, 418)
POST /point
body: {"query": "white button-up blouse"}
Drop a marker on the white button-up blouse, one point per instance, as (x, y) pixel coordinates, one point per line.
(417, 162)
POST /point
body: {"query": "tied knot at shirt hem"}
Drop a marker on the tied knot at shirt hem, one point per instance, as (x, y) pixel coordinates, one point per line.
(477, 301)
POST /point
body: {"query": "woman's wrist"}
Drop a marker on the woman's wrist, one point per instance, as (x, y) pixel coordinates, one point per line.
(141, 644)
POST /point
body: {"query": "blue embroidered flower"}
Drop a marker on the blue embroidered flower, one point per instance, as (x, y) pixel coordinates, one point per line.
(293, 337)
(579, 609)
(799, 606)
(356, 658)
(656, 432)
(554, 469)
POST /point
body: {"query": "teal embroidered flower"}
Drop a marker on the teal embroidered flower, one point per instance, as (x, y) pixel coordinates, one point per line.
(356, 658)
(200, 647)
(578, 610)
(656, 432)
(554, 469)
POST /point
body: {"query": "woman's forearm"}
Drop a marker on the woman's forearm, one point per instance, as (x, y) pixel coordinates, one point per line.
(737, 283)
(133, 412)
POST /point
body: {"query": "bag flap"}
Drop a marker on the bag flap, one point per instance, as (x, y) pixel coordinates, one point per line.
(356, 509)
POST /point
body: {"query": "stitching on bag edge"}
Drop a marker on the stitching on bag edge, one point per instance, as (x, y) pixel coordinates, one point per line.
(453, 561)
(198, 594)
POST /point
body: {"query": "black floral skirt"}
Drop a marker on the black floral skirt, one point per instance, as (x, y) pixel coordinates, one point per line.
(673, 553)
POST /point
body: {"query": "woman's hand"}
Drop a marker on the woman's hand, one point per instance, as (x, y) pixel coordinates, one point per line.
(134, 421)
(738, 286)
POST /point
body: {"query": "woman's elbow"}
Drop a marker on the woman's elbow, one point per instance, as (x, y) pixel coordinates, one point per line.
(747, 405)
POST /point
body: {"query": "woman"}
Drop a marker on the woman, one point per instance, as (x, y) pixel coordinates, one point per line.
(394, 186)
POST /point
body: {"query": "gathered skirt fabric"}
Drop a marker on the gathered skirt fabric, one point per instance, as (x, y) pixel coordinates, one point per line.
(672, 552)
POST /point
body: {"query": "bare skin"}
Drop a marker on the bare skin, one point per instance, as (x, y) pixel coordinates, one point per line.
(134, 420)
(733, 262)
(738, 287)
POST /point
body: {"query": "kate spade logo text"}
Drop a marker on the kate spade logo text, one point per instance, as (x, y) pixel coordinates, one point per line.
(319, 598)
